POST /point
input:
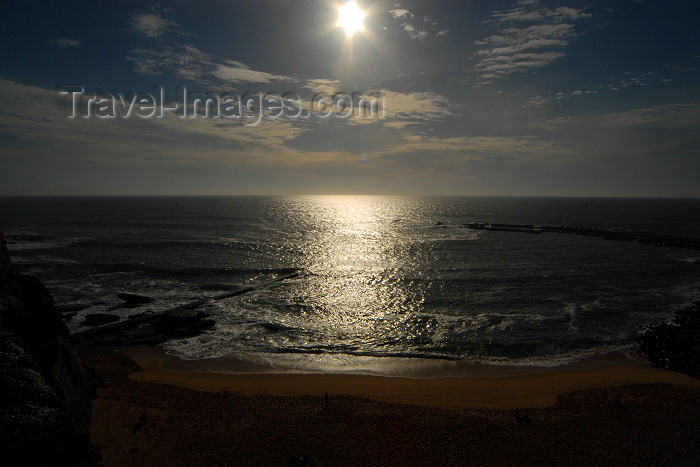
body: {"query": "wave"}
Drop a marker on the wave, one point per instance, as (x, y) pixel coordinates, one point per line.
(31, 242)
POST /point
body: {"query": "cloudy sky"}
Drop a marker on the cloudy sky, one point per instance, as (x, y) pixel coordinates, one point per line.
(474, 97)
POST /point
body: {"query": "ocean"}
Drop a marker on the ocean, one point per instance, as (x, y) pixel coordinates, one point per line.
(379, 276)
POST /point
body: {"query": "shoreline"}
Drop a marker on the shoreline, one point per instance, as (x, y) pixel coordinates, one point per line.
(408, 366)
(468, 386)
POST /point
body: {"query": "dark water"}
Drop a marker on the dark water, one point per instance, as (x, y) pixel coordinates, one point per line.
(378, 276)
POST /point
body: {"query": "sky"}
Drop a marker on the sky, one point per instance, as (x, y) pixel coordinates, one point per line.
(489, 98)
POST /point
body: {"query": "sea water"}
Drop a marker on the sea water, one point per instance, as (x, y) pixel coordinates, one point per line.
(379, 276)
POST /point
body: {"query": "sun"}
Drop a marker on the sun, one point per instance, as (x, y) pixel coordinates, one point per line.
(350, 17)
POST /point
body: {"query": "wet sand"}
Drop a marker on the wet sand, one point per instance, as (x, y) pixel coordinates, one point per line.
(153, 411)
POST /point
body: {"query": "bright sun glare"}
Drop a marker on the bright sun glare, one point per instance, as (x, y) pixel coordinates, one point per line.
(350, 18)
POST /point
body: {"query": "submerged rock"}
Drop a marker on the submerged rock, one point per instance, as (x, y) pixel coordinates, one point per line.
(98, 319)
(133, 299)
(69, 310)
(72, 307)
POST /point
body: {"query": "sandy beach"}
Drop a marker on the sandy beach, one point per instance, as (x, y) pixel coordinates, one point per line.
(154, 409)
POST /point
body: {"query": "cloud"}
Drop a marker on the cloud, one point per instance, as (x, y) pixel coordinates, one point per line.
(420, 35)
(189, 63)
(180, 155)
(562, 96)
(571, 13)
(401, 13)
(170, 140)
(326, 87)
(186, 61)
(411, 109)
(666, 74)
(528, 37)
(237, 73)
(178, 141)
(676, 116)
(566, 155)
(418, 29)
(63, 42)
(151, 25)
(158, 59)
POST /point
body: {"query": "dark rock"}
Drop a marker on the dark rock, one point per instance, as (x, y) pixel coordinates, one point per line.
(189, 329)
(675, 346)
(27, 310)
(45, 395)
(182, 331)
(72, 307)
(6, 267)
(146, 329)
(70, 310)
(276, 327)
(134, 299)
(180, 317)
(203, 324)
(98, 319)
(69, 315)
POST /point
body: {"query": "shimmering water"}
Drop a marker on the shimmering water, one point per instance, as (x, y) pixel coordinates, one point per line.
(378, 276)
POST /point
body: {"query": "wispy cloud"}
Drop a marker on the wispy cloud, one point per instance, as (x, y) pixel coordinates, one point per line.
(64, 42)
(666, 74)
(670, 116)
(562, 96)
(151, 25)
(418, 29)
(189, 63)
(625, 81)
(410, 109)
(236, 73)
(186, 61)
(528, 36)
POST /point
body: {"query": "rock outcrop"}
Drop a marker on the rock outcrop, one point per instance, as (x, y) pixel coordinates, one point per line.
(6, 267)
(676, 345)
(45, 396)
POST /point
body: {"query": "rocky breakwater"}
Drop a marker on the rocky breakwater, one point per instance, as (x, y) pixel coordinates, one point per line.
(45, 395)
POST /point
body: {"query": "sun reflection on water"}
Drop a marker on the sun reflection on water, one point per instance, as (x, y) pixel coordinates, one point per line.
(365, 288)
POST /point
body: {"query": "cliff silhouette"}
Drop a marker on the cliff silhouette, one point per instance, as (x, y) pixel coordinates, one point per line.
(45, 395)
